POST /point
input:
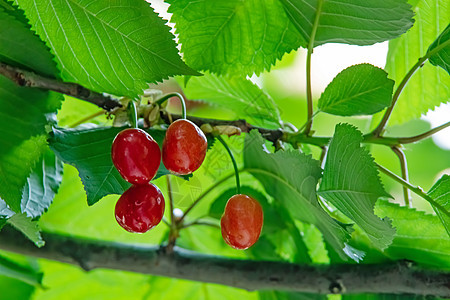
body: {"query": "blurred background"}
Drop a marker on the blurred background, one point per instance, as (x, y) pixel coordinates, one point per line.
(70, 214)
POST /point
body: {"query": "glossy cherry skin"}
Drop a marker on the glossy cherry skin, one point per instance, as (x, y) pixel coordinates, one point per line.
(184, 147)
(140, 208)
(242, 221)
(136, 155)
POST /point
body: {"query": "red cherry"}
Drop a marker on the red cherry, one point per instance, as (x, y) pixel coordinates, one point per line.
(184, 147)
(140, 208)
(242, 221)
(136, 155)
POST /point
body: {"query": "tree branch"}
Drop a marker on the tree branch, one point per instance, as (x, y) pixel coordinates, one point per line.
(395, 278)
(30, 79)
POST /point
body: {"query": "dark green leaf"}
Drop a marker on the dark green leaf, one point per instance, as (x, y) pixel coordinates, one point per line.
(351, 183)
(440, 192)
(239, 95)
(357, 22)
(89, 150)
(20, 46)
(291, 178)
(358, 90)
(420, 237)
(232, 36)
(442, 57)
(24, 113)
(42, 185)
(14, 270)
(429, 86)
(28, 227)
(105, 46)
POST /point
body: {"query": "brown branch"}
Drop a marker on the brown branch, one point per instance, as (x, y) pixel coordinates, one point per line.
(30, 79)
(271, 135)
(394, 278)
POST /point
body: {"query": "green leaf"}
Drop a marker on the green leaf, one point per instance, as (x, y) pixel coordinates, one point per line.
(429, 86)
(14, 270)
(420, 237)
(358, 90)
(24, 113)
(232, 36)
(21, 46)
(440, 192)
(442, 57)
(279, 295)
(105, 46)
(239, 95)
(28, 227)
(89, 150)
(351, 183)
(169, 288)
(357, 22)
(291, 178)
(42, 185)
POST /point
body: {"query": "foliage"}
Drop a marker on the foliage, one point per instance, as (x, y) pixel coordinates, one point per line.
(323, 198)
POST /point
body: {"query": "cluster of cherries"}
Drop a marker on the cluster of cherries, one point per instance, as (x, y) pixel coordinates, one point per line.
(137, 157)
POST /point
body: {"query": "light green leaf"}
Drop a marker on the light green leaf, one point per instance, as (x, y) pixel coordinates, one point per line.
(429, 86)
(358, 90)
(357, 22)
(28, 227)
(232, 36)
(107, 47)
(14, 270)
(24, 113)
(420, 237)
(351, 183)
(279, 295)
(239, 95)
(440, 192)
(169, 288)
(291, 178)
(442, 57)
(20, 46)
(89, 150)
(42, 185)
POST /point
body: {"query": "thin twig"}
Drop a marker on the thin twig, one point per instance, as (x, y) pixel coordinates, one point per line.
(312, 39)
(173, 234)
(30, 79)
(404, 170)
(415, 189)
(379, 129)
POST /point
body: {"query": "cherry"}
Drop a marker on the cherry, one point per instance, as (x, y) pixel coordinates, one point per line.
(242, 221)
(136, 155)
(184, 147)
(140, 208)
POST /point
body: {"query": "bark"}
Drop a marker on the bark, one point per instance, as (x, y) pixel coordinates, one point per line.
(401, 277)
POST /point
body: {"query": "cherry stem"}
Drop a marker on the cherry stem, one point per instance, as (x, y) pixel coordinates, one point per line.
(179, 96)
(132, 113)
(233, 160)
